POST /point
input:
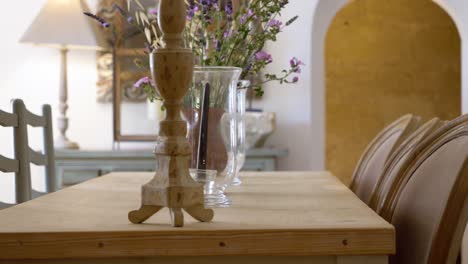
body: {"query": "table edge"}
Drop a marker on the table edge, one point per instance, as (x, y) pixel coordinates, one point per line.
(199, 243)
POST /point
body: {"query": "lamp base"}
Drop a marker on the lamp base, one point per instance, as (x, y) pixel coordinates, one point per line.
(65, 143)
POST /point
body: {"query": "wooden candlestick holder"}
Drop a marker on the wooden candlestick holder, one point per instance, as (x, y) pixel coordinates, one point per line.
(172, 70)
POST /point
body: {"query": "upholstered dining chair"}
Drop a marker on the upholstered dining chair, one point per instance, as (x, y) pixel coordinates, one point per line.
(370, 166)
(24, 155)
(397, 162)
(430, 211)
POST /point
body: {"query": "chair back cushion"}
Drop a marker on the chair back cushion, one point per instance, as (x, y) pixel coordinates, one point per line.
(398, 161)
(371, 164)
(428, 215)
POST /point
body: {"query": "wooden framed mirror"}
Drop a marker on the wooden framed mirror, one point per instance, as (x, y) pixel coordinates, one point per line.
(118, 73)
(126, 98)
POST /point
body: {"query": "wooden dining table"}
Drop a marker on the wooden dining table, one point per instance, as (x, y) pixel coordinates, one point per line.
(275, 217)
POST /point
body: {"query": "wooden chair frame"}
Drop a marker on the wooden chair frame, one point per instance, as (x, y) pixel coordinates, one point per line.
(8, 165)
(24, 155)
(401, 155)
(407, 124)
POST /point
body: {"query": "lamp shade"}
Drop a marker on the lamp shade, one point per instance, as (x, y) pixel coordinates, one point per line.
(61, 23)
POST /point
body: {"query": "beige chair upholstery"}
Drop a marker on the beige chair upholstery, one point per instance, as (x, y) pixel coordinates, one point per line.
(24, 155)
(397, 162)
(370, 166)
(430, 212)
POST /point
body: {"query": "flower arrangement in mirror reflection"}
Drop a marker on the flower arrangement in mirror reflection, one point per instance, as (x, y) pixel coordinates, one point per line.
(219, 35)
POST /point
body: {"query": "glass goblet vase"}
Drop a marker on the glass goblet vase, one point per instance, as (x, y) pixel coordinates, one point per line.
(210, 110)
(241, 95)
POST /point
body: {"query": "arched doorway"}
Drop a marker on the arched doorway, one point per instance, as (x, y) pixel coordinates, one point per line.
(384, 59)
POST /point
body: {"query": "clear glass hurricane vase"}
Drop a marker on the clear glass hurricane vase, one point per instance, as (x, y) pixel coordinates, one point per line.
(210, 108)
(241, 95)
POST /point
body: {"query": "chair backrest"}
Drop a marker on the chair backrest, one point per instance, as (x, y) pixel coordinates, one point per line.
(24, 155)
(397, 162)
(370, 166)
(431, 210)
(7, 164)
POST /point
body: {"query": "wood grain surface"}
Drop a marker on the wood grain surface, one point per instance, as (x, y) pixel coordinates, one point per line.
(273, 213)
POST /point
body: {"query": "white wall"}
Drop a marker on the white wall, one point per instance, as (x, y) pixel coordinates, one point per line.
(292, 102)
(26, 72)
(458, 10)
(32, 74)
(301, 107)
(322, 17)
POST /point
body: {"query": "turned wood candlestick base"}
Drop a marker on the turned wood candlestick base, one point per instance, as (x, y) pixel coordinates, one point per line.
(172, 186)
(177, 217)
(172, 70)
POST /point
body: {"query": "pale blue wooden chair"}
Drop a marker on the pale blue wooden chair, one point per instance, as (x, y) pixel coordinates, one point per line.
(24, 155)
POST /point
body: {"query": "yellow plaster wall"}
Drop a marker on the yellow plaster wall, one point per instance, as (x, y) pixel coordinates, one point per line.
(384, 59)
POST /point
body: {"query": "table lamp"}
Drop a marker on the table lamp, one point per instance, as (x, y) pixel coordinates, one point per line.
(61, 24)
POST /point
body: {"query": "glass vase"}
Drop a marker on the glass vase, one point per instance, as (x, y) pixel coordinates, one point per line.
(241, 95)
(210, 109)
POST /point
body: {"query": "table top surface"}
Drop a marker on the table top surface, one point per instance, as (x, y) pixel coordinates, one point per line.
(273, 213)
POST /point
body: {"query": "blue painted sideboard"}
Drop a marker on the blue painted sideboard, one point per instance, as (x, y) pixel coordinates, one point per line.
(75, 166)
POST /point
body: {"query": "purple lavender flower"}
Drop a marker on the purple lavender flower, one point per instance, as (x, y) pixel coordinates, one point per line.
(129, 19)
(192, 9)
(207, 3)
(275, 24)
(191, 4)
(244, 17)
(144, 81)
(295, 79)
(215, 5)
(229, 9)
(248, 67)
(217, 45)
(296, 64)
(98, 19)
(263, 56)
(227, 33)
(207, 6)
(153, 11)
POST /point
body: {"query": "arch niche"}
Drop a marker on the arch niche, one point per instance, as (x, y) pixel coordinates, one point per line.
(384, 59)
